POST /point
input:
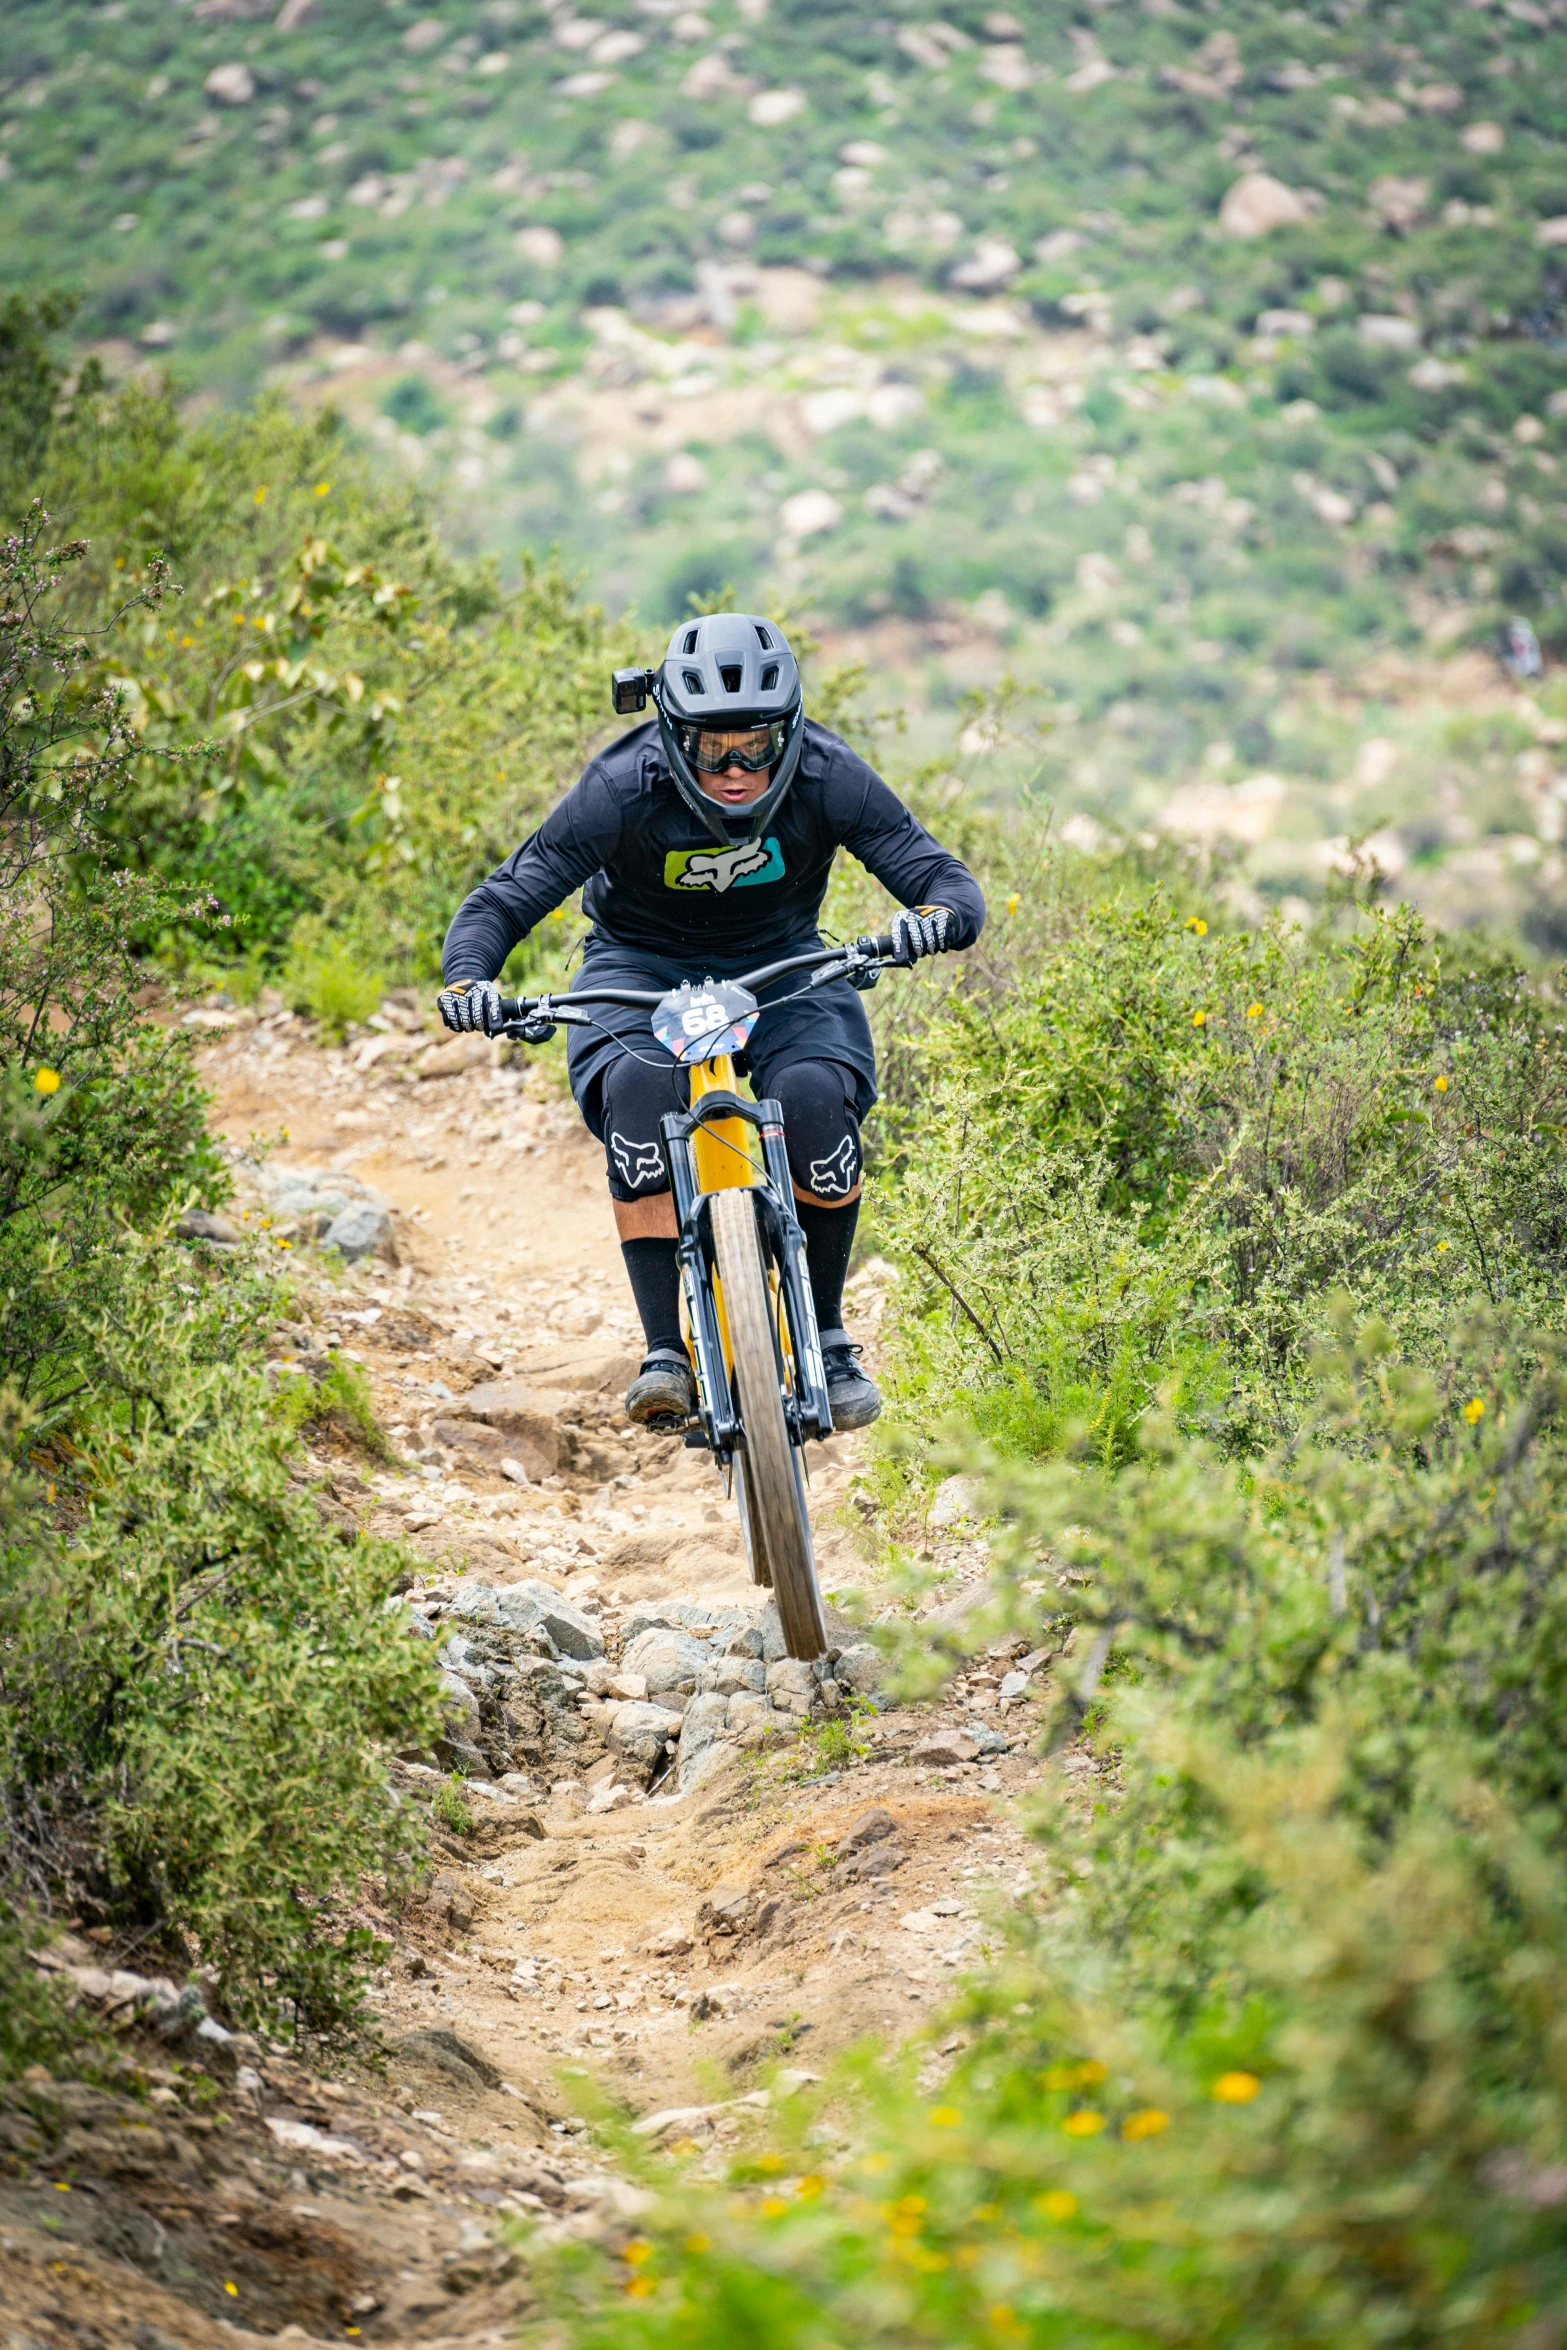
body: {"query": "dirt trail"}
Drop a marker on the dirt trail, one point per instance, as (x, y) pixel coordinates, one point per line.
(679, 1946)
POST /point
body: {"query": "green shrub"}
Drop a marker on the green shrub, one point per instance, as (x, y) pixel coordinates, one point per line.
(339, 1400)
(197, 1677)
(1150, 1151)
(322, 978)
(201, 1676)
(450, 1806)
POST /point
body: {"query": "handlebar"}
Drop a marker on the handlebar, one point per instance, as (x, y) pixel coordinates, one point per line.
(861, 954)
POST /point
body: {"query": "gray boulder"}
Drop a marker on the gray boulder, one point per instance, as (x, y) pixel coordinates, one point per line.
(861, 1668)
(202, 1224)
(731, 1673)
(703, 1745)
(362, 1230)
(480, 1603)
(460, 1702)
(573, 1632)
(665, 1659)
(721, 1621)
(637, 1734)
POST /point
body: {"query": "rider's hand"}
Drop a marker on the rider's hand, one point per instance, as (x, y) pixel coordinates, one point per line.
(471, 1005)
(920, 930)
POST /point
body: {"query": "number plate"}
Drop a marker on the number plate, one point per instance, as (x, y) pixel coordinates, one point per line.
(703, 1019)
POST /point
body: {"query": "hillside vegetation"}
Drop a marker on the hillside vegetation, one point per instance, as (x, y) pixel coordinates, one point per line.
(951, 330)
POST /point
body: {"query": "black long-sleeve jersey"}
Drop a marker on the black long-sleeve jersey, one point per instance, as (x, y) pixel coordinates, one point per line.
(655, 877)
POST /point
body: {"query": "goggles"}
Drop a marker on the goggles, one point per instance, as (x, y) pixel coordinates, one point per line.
(754, 750)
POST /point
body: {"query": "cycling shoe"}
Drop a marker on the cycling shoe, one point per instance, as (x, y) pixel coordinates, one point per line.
(662, 1390)
(853, 1393)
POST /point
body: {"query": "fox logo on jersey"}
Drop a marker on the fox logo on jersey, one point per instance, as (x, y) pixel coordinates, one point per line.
(724, 869)
(639, 1162)
(836, 1177)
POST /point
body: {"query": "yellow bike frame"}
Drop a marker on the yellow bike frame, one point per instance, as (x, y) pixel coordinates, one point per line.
(725, 1149)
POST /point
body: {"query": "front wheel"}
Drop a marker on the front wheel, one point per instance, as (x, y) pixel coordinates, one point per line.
(770, 1487)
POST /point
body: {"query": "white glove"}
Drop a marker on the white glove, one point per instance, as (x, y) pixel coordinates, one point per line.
(471, 1004)
(920, 930)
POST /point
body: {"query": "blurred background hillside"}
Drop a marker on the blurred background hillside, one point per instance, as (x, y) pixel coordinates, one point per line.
(1200, 373)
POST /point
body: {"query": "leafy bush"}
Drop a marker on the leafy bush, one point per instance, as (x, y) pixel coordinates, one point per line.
(324, 980)
(200, 1676)
(1150, 1152)
(196, 1677)
(340, 1401)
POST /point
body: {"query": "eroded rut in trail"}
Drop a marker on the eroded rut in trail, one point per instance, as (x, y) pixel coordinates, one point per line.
(670, 1881)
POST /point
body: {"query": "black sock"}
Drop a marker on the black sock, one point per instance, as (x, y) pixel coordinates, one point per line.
(653, 1269)
(829, 1237)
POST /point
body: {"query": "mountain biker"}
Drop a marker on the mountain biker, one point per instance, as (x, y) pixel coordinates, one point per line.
(705, 838)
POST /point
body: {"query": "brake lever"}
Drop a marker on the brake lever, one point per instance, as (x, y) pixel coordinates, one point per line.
(862, 966)
(534, 1031)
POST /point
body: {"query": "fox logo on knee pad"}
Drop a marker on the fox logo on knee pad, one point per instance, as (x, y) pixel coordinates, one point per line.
(835, 1178)
(639, 1162)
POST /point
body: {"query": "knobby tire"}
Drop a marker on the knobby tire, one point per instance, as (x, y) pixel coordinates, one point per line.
(771, 1490)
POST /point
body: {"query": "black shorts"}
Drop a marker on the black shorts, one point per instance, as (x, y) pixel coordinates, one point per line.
(829, 1024)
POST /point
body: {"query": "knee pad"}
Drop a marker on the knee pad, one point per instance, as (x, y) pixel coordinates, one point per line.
(821, 1131)
(636, 1097)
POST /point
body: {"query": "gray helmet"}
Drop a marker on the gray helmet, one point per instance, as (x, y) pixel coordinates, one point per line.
(730, 670)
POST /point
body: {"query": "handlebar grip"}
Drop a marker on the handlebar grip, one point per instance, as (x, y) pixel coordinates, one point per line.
(511, 1007)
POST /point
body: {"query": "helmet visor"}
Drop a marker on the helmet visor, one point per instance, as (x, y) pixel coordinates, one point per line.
(712, 751)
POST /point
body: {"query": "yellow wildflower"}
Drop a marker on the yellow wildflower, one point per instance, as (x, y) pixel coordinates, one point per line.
(261, 495)
(1199, 1019)
(1013, 903)
(322, 487)
(1474, 1409)
(228, 2287)
(1084, 2123)
(1441, 1084)
(1146, 2124)
(945, 2117)
(1236, 2088)
(1199, 925)
(774, 2206)
(1254, 1011)
(637, 2251)
(699, 2243)
(46, 1081)
(1059, 2203)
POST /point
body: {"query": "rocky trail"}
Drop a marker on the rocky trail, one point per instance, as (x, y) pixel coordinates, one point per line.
(679, 1864)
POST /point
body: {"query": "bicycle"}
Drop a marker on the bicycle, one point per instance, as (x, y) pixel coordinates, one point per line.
(749, 1317)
